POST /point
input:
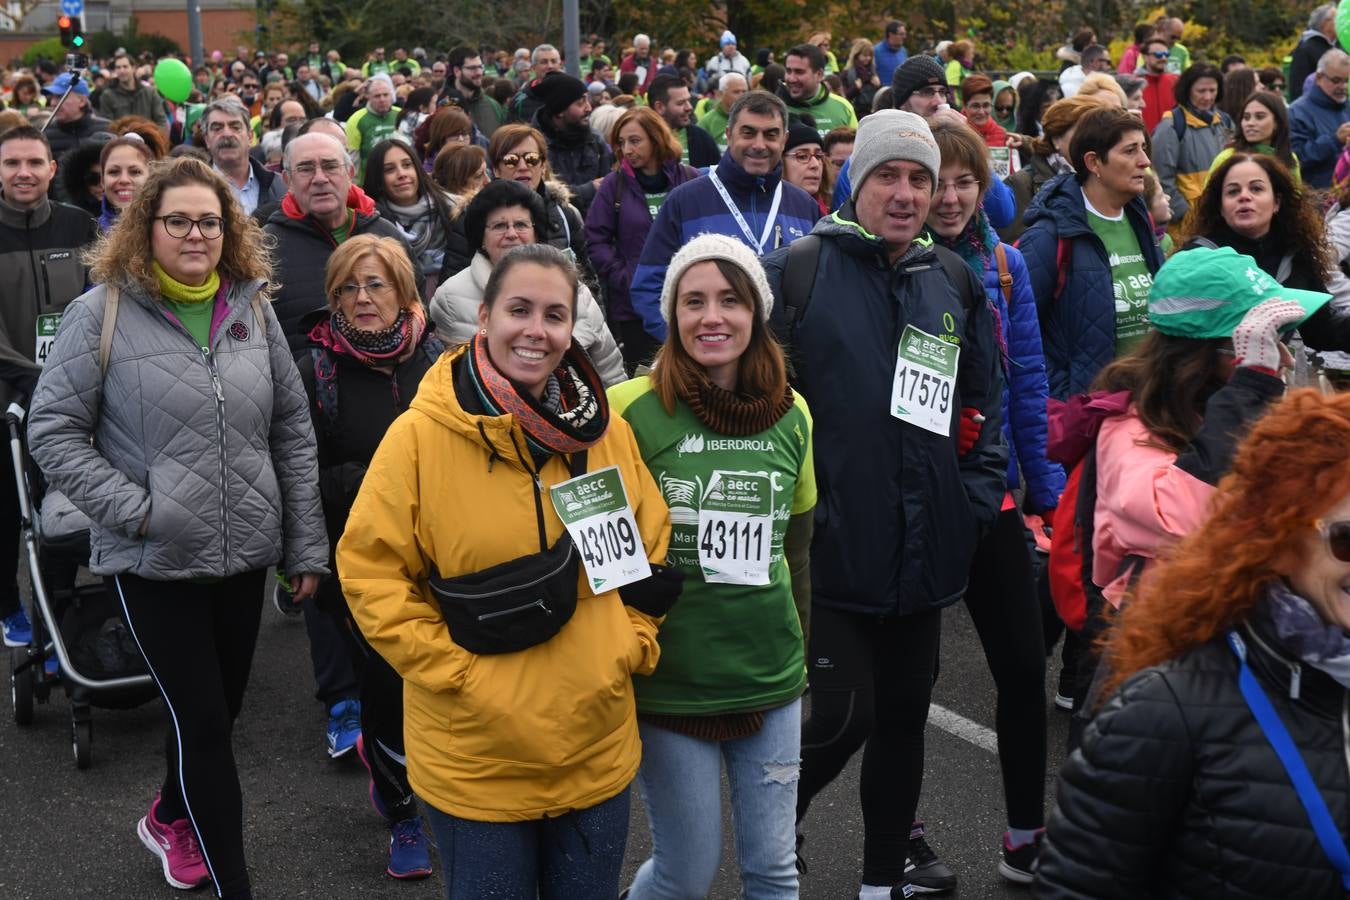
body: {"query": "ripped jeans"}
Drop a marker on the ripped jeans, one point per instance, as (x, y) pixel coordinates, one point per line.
(681, 781)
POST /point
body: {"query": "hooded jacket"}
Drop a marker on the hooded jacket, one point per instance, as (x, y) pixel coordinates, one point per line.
(1303, 61)
(696, 207)
(616, 228)
(300, 258)
(454, 309)
(899, 513)
(42, 272)
(1159, 97)
(1313, 121)
(1182, 165)
(115, 101)
(577, 156)
(1078, 326)
(513, 736)
(211, 454)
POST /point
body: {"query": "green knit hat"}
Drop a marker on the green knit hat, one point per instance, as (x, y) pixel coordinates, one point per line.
(1204, 293)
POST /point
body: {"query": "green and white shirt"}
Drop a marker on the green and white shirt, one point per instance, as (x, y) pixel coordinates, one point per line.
(1130, 277)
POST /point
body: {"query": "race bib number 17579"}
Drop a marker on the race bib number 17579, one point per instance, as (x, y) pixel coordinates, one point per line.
(924, 390)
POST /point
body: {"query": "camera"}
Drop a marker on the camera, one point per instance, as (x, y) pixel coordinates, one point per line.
(77, 61)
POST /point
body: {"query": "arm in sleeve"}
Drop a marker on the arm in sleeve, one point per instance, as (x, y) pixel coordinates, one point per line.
(353, 127)
(1119, 796)
(797, 540)
(653, 521)
(1038, 246)
(64, 414)
(1314, 143)
(979, 380)
(295, 460)
(999, 204)
(1164, 156)
(650, 275)
(1228, 414)
(1028, 392)
(602, 349)
(602, 225)
(843, 185)
(382, 566)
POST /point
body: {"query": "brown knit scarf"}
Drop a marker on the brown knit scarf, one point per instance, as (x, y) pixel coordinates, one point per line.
(735, 414)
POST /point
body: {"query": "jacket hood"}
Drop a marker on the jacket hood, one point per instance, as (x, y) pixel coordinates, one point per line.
(1319, 97)
(555, 191)
(357, 200)
(822, 94)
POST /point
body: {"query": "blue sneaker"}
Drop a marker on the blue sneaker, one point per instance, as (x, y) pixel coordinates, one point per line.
(16, 629)
(408, 856)
(344, 727)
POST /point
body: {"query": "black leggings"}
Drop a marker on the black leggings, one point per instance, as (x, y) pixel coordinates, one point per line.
(638, 347)
(1003, 605)
(198, 642)
(871, 682)
(381, 693)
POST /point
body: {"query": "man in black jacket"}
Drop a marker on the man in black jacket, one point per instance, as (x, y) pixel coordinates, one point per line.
(669, 98)
(40, 267)
(1318, 39)
(575, 152)
(75, 121)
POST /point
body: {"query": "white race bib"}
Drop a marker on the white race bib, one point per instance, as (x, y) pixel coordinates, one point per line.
(735, 528)
(595, 509)
(925, 381)
(47, 325)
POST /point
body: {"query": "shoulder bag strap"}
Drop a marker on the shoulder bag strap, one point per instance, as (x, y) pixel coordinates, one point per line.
(112, 294)
(1005, 279)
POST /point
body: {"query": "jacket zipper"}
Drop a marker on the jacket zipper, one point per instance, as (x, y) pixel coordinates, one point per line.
(517, 587)
(515, 609)
(46, 284)
(220, 454)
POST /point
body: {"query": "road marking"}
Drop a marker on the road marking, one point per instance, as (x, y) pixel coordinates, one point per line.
(965, 729)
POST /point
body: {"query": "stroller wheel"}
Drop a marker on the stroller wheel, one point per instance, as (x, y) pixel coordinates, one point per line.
(21, 687)
(81, 738)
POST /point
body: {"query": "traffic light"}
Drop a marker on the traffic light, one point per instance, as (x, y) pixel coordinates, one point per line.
(72, 35)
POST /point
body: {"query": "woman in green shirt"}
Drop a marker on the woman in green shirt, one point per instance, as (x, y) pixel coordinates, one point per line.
(730, 445)
(1263, 127)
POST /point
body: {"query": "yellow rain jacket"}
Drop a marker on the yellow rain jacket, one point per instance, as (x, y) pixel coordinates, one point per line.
(514, 736)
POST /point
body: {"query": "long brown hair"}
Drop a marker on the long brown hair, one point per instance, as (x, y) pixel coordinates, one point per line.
(1289, 470)
(1171, 378)
(124, 254)
(762, 371)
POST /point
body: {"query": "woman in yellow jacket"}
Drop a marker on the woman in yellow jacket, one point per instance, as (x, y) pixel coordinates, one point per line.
(515, 650)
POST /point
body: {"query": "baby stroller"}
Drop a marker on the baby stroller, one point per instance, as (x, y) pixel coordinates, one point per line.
(80, 640)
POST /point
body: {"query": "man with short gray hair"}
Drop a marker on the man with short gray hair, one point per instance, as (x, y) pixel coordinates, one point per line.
(1319, 121)
(640, 62)
(526, 103)
(225, 136)
(1316, 40)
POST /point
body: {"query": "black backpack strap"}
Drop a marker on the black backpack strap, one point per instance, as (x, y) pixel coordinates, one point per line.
(799, 279)
(960, 275)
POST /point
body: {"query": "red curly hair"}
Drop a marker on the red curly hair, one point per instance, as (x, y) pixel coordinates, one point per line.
(1291, 468)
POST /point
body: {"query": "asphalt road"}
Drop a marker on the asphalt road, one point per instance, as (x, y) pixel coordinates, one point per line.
(310, 831)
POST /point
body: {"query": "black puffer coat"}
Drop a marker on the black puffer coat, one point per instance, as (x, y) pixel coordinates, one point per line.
(1176, 792)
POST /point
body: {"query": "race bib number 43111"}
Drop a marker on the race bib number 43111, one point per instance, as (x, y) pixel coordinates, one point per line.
(595, 509)
(925, 381)
(735, 528)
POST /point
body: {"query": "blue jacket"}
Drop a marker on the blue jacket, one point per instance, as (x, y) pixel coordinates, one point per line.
(887, 61)
(1025, 388)
(899, 512)
(696, 208)
(1078, 328)
(999, 203)
(1313, 120)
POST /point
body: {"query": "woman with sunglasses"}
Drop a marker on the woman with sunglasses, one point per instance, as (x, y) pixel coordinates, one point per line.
(1181, 788)
(170, 412)
(1005, 106)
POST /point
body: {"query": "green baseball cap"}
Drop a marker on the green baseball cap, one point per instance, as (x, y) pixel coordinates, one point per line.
(1204, 293)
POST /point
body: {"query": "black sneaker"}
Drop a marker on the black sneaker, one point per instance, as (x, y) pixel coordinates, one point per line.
(801, 860)
(1064, 691)
(902, 891)
(923, 870)
(1019, 863)
(281, 599)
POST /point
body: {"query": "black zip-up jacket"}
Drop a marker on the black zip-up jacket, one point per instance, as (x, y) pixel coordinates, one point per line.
(41, 271)
(1176, 792)
(578, 156)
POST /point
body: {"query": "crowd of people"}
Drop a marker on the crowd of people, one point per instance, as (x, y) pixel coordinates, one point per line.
(755, 367)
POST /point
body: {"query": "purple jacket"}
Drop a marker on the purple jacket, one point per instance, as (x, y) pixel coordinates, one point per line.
(616, 229)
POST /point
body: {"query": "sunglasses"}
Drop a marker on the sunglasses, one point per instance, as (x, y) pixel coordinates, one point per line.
(1160, 54)
(1337, 536)
(511, 160)
(1004, 110)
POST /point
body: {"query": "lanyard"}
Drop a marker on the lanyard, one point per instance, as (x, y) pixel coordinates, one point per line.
(1333, 845)
(758, 245)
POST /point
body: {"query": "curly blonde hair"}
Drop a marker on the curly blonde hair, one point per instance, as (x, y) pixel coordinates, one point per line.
(124, 254)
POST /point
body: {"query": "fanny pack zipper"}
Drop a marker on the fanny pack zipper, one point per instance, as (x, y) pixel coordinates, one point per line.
(515, 609)
(571, 548)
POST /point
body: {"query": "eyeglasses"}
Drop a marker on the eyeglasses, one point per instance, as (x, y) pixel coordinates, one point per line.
(966, 184)
(1277, 86)
(933, 90)
(211, 227)
(373, 288)
(1336, 81)
(1004, 110)
(1337, 536)
(511, 160)
(1159, 54)
(520, 226)
(806, 156)
(307, 170)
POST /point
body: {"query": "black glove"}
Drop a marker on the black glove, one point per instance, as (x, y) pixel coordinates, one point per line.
(655, 595)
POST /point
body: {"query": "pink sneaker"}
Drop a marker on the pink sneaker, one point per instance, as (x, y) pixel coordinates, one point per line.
(177, 848)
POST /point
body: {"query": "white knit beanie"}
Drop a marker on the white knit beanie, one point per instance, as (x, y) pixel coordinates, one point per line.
(715, 246)
(889, 134)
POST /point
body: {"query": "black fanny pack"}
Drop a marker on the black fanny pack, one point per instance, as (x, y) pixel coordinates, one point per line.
(516, 604)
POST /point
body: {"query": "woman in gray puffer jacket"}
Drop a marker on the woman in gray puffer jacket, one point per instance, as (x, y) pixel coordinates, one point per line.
(171, 413)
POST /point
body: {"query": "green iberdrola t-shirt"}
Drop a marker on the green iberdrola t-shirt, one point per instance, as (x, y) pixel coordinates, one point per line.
(654, 202)
(724, 647)
(1130, 278)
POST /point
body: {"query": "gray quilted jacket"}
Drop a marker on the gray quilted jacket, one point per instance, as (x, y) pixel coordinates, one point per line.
(218, 448)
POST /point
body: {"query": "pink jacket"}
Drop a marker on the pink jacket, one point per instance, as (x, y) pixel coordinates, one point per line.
(1145, 504)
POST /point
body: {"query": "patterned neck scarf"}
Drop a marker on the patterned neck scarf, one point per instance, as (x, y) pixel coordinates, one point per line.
(374, 348)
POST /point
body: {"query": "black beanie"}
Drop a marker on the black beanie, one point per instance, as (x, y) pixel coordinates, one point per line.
(917, 72)
(558, 90)
(800, 132)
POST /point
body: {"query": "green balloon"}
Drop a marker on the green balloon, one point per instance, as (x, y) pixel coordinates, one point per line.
(173, 80)
(1343, 24)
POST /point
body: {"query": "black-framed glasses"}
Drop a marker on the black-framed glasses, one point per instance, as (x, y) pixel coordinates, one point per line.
(933, 90)
(373, 288)
(211, 227)
(511, 160)
(1337, 536)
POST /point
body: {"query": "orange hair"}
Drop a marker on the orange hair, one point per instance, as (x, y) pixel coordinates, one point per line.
(1291, 468)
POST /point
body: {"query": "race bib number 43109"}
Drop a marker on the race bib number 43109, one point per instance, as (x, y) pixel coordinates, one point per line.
(595, 509)
(925, 381)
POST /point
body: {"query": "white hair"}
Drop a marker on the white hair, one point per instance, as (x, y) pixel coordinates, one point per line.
(729, 78)
(1332, 57)
(641, 39)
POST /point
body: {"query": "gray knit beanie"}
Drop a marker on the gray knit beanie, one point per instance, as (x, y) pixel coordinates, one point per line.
(715, 246)
(889, 134)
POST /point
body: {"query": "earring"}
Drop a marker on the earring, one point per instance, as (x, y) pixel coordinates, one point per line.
(483, 332)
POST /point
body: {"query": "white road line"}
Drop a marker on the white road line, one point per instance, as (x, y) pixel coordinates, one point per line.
(965, 729)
